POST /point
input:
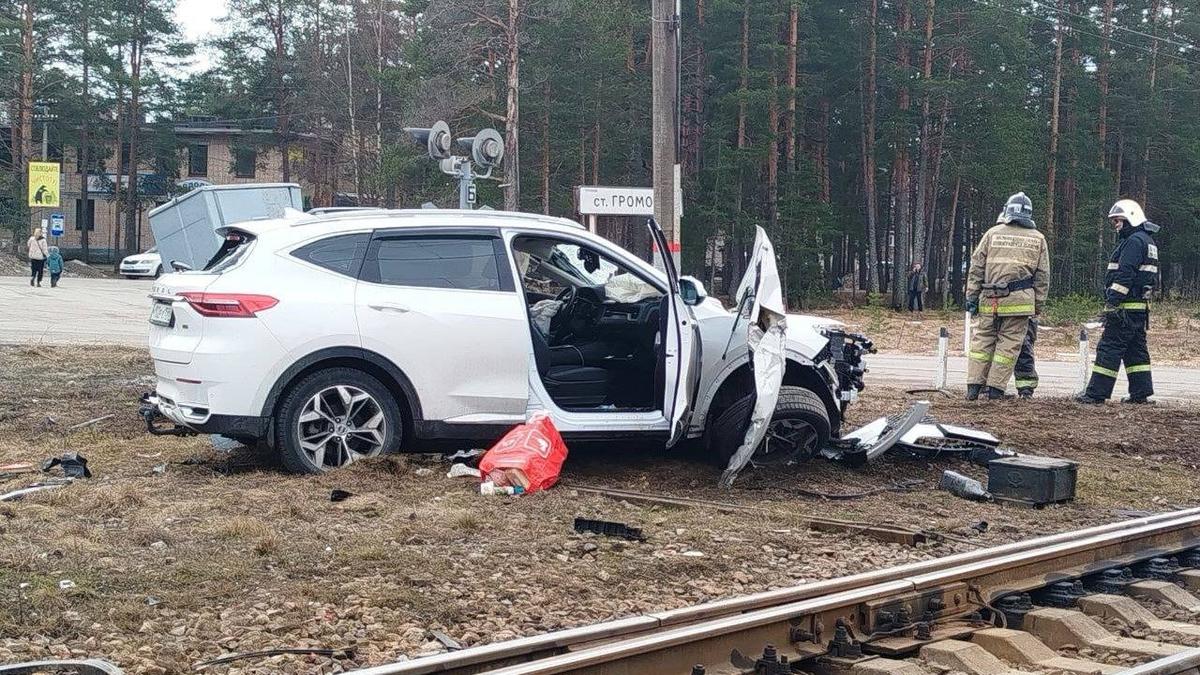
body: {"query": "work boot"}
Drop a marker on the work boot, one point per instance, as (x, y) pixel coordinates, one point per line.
(997, 394)
(1025, 392)
(1140, 400)
(973, 391)
(1086, 399)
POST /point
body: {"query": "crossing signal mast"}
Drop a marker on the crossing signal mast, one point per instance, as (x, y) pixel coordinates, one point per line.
(485, 150)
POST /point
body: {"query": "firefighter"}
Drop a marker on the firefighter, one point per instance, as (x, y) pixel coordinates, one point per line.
(1131, 277)
(1007, 284)
(1026, 369)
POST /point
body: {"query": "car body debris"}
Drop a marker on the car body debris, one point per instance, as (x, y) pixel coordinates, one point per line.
(74, 465)
(88, 423)
(918, 434)
(339, 495)
(609, 529)
(72, 666)
(447, 641)
(34, 487)
(964, 486)
(347, 653)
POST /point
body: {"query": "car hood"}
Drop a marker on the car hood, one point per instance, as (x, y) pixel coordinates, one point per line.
(141, 258)
(804, 333)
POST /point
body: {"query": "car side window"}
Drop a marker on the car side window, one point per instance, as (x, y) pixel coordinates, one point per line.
(458, 262)
(342, 254)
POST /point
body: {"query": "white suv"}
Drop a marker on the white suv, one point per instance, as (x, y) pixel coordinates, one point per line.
(343, 336)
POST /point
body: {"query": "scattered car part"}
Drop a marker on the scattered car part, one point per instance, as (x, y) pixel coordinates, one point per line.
(90, 422)
(766, 340)
(963, 486)
(339, 495)
(879, 438)
(74, 465)
(347, 653)
(30, 489)
(901, 486)
(72, 666)
(1032, 481)
(980, 526)
(609, 529)
(447, 641)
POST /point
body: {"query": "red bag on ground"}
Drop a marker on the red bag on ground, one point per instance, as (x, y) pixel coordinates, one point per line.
(534, 449)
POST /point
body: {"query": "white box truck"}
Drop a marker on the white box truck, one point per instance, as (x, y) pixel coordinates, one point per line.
(185, 227)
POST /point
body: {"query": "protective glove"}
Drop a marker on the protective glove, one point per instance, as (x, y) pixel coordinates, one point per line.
(972, 306)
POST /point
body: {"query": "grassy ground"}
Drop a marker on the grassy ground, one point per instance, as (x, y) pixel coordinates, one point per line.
(1174, 334)
(178, 552)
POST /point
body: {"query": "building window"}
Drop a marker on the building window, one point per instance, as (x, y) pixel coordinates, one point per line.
(90, 215)
(197, 160)
(244, 160)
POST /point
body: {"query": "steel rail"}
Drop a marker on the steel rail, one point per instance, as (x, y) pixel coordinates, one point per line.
(1183, 662)
(647, 626)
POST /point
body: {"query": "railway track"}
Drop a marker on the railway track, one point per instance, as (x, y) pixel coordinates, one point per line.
(1055, 590)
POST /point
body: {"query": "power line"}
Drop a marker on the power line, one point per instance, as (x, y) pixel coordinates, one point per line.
(1185, 45)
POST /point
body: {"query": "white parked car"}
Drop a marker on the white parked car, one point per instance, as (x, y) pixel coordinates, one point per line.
(148, 264)
(343, 336)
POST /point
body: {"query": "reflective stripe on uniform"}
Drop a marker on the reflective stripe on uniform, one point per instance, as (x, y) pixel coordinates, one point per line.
(1014, 309)
(982, 356)
(1101, 370)
(1026, 384)
(1114, 266)
(1153, 269)
(1143, 368)
(1123, 290)
(1133, 305)
(1000, 358)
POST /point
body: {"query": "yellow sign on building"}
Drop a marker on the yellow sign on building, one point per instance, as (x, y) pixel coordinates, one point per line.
(43, 183)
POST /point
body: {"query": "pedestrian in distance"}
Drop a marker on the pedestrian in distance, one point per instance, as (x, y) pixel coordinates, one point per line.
(1128, 284)
(38, 252)
(1007, 284)
(918, 283)
(54, 265)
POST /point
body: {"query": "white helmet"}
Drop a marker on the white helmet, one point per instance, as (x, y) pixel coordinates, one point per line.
(1128, 210)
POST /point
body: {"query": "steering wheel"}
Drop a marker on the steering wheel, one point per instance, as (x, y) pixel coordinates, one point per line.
(562, 317)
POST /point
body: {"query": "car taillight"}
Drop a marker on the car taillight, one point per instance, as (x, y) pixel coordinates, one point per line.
(232, 305)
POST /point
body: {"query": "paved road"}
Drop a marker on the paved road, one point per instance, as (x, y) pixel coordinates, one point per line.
(114, 311)
(79, 311)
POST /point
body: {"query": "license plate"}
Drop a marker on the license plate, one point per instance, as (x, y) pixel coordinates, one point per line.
(161, 314)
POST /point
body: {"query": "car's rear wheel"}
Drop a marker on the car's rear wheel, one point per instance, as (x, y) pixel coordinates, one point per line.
(335, 417)
(798, 429)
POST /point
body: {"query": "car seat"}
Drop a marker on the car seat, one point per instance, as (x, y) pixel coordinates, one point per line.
(569, 383)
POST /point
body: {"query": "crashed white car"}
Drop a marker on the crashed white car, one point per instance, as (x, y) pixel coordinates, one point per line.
(347, 335)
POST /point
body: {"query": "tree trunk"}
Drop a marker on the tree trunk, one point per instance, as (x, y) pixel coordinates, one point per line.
(23, 135)
(596, 151)
(1105, 64)
(1055, 96)
(901, 166)
(546, 103)
(953, 265)
(789, 119)
(378, 165)
(512, 115)
(117, 191)
(352, 116)
(134, 126)
(84, 221)
(823, 156)
(278, 26)
(744, 76)
(920, 212)
(773, 155)
(1144, 173)
(868, 147)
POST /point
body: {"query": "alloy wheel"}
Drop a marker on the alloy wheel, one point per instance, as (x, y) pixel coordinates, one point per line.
(340, 425)
(787, 441)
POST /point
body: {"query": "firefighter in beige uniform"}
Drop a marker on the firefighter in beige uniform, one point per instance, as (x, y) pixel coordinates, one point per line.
(1007, 285)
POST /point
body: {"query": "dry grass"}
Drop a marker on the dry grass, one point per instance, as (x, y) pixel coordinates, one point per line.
(225, 553)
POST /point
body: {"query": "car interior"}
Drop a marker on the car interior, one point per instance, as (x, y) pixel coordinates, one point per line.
(596, 327)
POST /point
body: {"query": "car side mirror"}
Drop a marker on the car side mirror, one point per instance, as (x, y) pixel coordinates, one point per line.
(691, 290)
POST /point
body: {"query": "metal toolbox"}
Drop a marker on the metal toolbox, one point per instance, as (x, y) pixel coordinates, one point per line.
(1032, 481)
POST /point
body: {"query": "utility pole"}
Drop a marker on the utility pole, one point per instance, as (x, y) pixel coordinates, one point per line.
(664, 37)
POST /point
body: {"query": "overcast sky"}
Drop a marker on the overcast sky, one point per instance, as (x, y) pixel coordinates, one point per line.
(198, 21)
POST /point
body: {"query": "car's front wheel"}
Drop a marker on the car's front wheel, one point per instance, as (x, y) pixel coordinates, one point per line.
(335, 417)
(797, 431)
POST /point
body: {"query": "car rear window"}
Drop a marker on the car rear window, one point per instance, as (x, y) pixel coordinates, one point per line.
(232, 250)
(342, 253)
(466, 263)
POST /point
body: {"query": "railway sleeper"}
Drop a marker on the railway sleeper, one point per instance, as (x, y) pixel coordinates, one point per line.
(966, 657)
(1165, 591)
(1023, 649)
(1068, 627)
(1132, 613)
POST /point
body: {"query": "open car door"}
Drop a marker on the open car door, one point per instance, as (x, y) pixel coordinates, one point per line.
(761, 314)
(681, 345)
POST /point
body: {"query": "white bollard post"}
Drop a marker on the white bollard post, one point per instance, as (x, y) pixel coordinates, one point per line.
(943, 353)
(1084, 358)
(967, 334)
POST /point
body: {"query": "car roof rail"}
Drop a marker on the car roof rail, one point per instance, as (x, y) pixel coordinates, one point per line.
(354, 214)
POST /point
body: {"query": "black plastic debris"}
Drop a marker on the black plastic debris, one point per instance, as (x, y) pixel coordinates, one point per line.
(963, 486)
(609, 529)
(980, 527)
(74, 465)
(339, 495)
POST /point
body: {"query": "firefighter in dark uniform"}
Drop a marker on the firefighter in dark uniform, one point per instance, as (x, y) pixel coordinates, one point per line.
(1132, 275)
(1026, 368)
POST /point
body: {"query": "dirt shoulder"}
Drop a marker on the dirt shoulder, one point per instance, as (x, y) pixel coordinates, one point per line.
(179, 552)
(1174, 334)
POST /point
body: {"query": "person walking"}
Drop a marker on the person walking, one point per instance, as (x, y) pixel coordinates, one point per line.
(918, 283)
(1128, 284)
(37, 256)
(1007, 284)
(54, 265)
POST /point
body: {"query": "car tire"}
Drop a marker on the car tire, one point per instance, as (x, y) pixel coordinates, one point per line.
(799, 414)
(333, 438)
